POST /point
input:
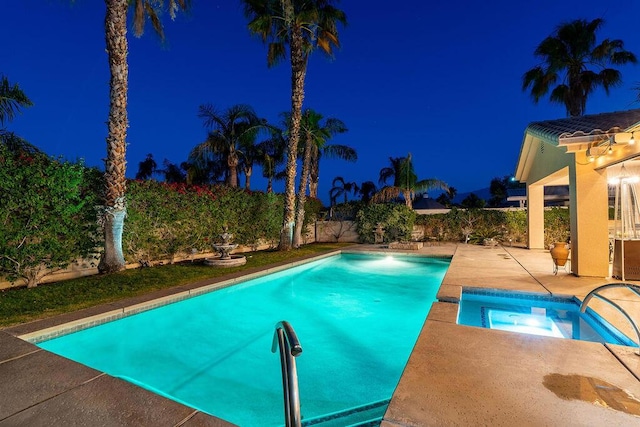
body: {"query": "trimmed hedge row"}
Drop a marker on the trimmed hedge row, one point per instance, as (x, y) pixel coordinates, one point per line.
(49, 214)
(476, 225)
(165, 220)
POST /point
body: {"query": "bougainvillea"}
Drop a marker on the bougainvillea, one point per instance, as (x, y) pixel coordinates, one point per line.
(47, 214)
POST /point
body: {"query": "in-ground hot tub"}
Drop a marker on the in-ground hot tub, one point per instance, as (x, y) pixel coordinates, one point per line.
(536, 314)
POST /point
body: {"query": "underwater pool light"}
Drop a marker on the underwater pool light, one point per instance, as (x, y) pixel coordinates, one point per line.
(528, 323)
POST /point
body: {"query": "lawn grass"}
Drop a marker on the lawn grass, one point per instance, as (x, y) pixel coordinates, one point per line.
(23, 305)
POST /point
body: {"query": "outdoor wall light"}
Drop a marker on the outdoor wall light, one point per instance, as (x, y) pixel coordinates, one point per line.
(610, 150)
(590, 156)
(633, 139)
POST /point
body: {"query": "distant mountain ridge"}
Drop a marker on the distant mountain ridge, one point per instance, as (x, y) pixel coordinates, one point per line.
(483, 193)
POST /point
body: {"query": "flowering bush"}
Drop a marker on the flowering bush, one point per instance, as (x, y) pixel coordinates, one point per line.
(164, 220)
(47, 214)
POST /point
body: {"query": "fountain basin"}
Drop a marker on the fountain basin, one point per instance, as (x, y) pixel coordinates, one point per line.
(231, 261)
(224, 257)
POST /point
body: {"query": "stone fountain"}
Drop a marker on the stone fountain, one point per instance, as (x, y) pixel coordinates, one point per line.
(224, 257)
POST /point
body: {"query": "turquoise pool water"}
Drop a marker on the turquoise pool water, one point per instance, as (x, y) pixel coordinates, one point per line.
(357, 318)
(544, 315)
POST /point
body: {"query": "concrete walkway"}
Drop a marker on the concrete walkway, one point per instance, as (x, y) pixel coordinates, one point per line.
(457, 375)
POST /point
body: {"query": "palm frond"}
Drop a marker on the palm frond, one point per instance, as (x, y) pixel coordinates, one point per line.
(385, 174)
(12, 98)
(16, 144)
(610, 78)
(342, 152)
(153, 9)
(386, 194)
(430, 184)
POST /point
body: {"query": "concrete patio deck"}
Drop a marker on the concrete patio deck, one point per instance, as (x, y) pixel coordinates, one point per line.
(461, 375)
(457, 375)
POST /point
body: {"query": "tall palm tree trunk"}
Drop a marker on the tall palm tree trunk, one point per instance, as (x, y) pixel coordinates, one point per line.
(298, 69)
(302, 193)
(232, 164)
(313, 173)
(248, 171)
(115, 164)
(407, 198)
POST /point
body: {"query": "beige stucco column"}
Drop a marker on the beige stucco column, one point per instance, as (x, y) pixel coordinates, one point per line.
(589, 219)
(535, 216)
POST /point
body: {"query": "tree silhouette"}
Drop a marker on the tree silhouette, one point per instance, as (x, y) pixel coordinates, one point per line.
(572, 60)
(472, 201)
(147, 168)
(341, 188)
(405, 181)
(12, 98)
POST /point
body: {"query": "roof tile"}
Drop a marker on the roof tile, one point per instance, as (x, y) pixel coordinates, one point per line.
(590, 125)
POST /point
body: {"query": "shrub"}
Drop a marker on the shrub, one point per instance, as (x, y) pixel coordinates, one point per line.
(475, 225)
(47, 214)
(165, 220)
(516, 226)
(396, 219)
(556, 225)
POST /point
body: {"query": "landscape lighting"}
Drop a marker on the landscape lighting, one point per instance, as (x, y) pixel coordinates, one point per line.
(590, 156)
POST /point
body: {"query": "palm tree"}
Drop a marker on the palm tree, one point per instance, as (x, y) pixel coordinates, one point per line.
(233, 134)
(341, 188)
(147, 168)
(405, 181)
(367, 190)
(566, 56)
(303, 26)
(173, 173)
(447, 197)
(271, 155)
(12, 98)
(335, 151)
(115, 24)
(204, 171)
(314, 135)
(248, 156)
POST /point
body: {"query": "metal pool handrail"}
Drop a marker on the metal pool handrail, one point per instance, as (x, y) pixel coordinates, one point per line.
(595, 293)
(286, 340)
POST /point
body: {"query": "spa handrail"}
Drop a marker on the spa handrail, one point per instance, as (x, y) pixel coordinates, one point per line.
(286, 339)
(595, 293)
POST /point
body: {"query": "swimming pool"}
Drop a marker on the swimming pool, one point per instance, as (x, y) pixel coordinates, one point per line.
(357, 317)
(536, 314)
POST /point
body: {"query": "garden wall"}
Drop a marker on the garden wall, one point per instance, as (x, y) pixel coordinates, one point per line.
(336, 231)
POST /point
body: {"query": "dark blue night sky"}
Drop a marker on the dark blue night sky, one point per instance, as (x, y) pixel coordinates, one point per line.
(441, 80)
